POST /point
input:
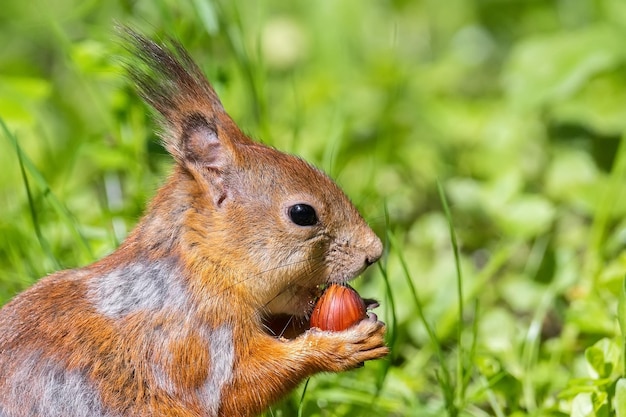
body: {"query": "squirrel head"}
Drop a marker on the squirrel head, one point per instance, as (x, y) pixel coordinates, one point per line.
(276, 227)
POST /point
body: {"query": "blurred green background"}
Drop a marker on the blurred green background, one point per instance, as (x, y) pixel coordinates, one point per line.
(517, 108)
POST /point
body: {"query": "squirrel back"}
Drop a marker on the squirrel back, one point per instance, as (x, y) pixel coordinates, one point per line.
(178, 320)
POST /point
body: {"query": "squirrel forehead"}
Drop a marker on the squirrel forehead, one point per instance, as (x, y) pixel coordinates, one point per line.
(287, 172)
(284, 179)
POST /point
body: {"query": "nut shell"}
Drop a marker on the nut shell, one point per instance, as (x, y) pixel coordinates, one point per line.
(339, 307)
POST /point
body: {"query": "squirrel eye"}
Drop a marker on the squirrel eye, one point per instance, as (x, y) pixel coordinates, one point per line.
(303, 215)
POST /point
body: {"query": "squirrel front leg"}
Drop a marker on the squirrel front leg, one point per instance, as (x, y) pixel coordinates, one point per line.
(272, 367)
(328, 351)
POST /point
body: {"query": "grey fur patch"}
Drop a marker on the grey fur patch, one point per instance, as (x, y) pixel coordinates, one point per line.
(222, 351)
(138, 286)
(162, 379)
(163, 358)
(42, 387)
(222, 359)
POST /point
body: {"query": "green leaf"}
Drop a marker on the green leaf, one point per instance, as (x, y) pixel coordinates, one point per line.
(600, 104)
(19, 95)
(582, 405)
(526, 216)
(549, 68)
(603, 358)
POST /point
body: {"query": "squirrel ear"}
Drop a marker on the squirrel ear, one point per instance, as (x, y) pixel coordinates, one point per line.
(200, 144)
(205, 154)
(196, 130)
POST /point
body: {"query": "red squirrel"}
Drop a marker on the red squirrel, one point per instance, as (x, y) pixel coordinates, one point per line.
(176, 321)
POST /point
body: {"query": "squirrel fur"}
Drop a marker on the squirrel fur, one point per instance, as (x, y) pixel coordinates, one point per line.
(175, 321)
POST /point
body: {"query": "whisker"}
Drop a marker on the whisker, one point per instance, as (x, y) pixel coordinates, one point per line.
(316, 268)
(264, 313)
(231, 286)
(286, 326)
(297, 281)
(283, 291)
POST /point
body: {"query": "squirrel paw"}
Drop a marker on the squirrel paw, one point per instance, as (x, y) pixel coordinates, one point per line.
(348, 349)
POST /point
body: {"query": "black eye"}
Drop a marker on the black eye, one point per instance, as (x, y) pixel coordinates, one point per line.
(303, 215)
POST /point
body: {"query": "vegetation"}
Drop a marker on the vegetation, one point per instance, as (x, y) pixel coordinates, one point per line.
(484, 140)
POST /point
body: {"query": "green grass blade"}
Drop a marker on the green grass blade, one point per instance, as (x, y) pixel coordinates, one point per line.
(472, 351)
(602, 213)
(45, 245)
(66, 217)
(460, 387)
(390, 307)
(235, 35)
(621, 318)
(301, 403)
(443, 377)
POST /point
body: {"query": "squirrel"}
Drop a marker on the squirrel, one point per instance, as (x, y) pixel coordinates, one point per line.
(177, 321)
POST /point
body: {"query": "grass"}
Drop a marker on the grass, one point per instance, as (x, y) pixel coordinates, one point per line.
(483, 140)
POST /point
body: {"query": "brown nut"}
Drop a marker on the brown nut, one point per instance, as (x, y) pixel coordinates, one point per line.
(339, 307)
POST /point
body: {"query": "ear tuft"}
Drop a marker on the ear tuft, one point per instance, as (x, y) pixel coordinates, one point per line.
(196, 130)
(166, 76)
(168, 79)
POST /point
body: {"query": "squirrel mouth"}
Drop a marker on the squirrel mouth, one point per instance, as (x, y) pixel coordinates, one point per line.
(285, 326)
(291, 324)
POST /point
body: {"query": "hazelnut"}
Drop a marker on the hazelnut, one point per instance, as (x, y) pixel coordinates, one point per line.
(339, 307)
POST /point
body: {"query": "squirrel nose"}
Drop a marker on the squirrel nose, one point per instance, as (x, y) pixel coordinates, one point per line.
(374, 251)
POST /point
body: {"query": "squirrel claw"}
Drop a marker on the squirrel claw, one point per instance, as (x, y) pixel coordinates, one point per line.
(370, 303)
